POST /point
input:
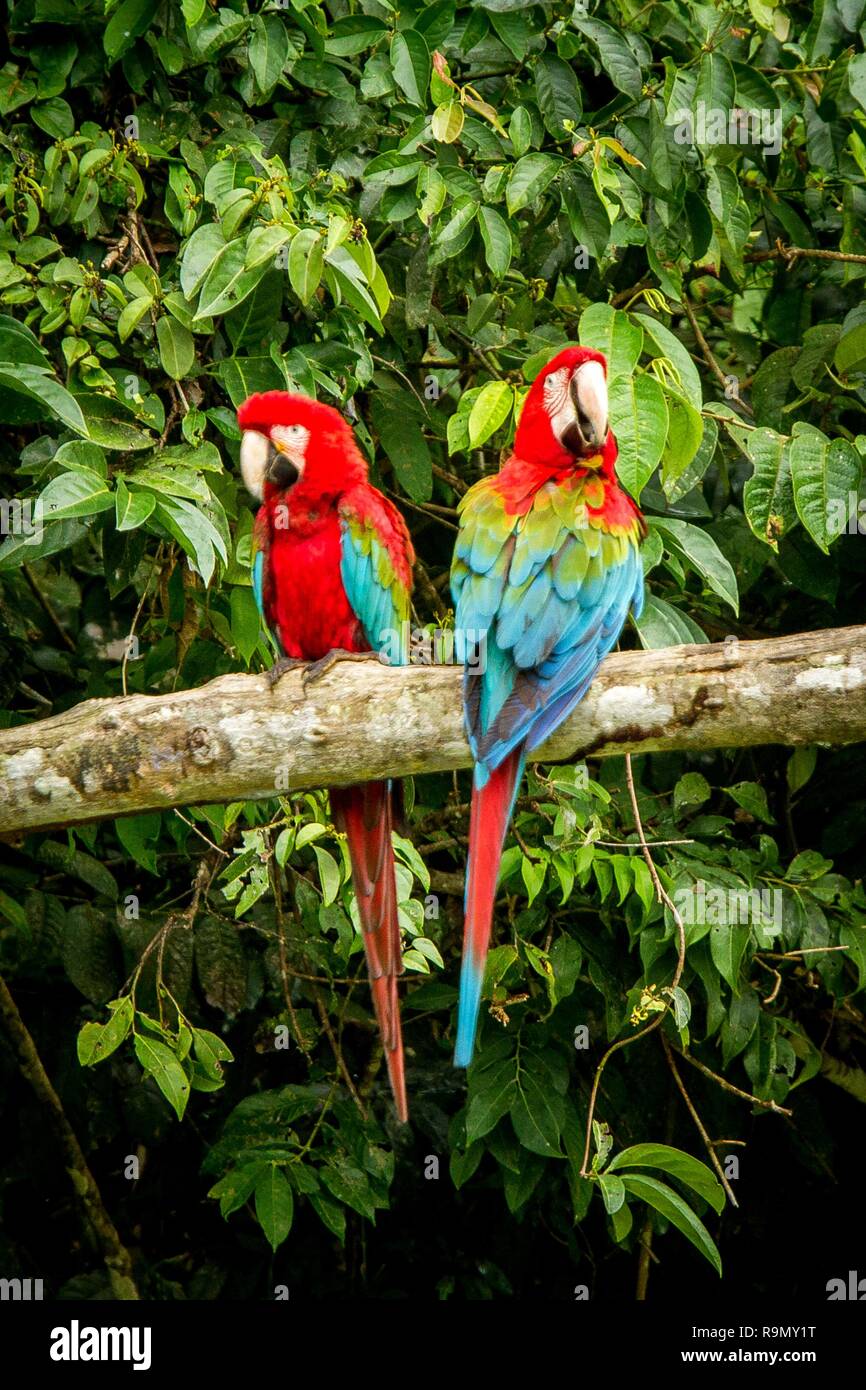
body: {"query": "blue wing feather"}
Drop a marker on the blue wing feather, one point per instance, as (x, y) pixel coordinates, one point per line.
(258, 573)
(375, 594)
(550, 622)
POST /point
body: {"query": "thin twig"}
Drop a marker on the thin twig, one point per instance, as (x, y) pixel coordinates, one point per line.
(156, 562)
(727, 1086)
(276, 885)
(450, 478)
(665, 898)
(708, 1143)
(777, 975)
(48, 609)
(803, 951)
(440, 520)
(338, 1056)
(646, 1255)
(791, 254)
(708, 356)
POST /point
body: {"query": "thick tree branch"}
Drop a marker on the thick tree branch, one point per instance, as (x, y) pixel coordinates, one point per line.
(239, 738)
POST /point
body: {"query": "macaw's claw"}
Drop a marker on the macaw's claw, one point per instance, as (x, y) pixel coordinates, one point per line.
(317, 669)
(280, 667)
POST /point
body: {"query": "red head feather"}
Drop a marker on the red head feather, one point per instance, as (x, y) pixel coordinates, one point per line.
(333, 462)
(535, 440)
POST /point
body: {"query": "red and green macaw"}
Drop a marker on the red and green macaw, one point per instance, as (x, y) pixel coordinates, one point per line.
(546, 568)
(332, 574)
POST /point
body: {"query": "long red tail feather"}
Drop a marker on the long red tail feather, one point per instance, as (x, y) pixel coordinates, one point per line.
(491, 811)
(364, 814)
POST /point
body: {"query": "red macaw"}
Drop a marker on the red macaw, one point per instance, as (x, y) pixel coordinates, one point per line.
(545, 571)
(332, 574)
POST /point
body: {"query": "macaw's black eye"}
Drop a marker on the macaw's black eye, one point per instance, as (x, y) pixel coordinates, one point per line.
(281, 471)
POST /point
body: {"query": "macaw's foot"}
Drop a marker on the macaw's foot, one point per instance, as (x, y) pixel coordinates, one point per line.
(319, 668)
(280, 667)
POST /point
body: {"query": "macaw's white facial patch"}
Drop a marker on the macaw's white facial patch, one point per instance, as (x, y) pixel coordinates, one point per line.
(558, 402)
(576, 404)
(556, 392)
(292, 440)
(255, 451)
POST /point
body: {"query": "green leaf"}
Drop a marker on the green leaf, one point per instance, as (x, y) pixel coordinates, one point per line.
(330, 1213)
(410, 63)
(347, 280)
(351, 1186)
(78, 493)
(728, 942)
(96, 1041)
(615, 334)
(692, 789)
(447, 122)
(826, 478)
(752, 797)
(455, 233)
(490, 410)
(663, 625)
(50, 397)
(669, 346)
(612, 1191)
(268, 50)
(176, 347)
(801, 765)
(228, 282)
(194, 532)
(768, 495)
(496, 235)
(490, 1098)
(678, 1164)
(204, 248)
(639, 419)
(739, 1024)
(354, 34)
(617, 58)
(306, 262)
(851, 351)
(406, 448)
(699, 550)
(684, 436)
(528, 179)
(161, 1063)
(132, 508)
(264, 244)
(329, 874)
(54, 117)
(236, 1188)
(130, 20)
(520, 130)
(131, 316)
(658, 1195)
(715, 89)
(245, 620)
(537, 1114)
(558, 94)
(275, 1205)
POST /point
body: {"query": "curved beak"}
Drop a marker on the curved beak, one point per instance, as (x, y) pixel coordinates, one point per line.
(281, 472)
(587, 391)
(264, 462)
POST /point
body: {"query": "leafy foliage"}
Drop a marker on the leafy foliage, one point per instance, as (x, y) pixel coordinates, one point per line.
(406, 211)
